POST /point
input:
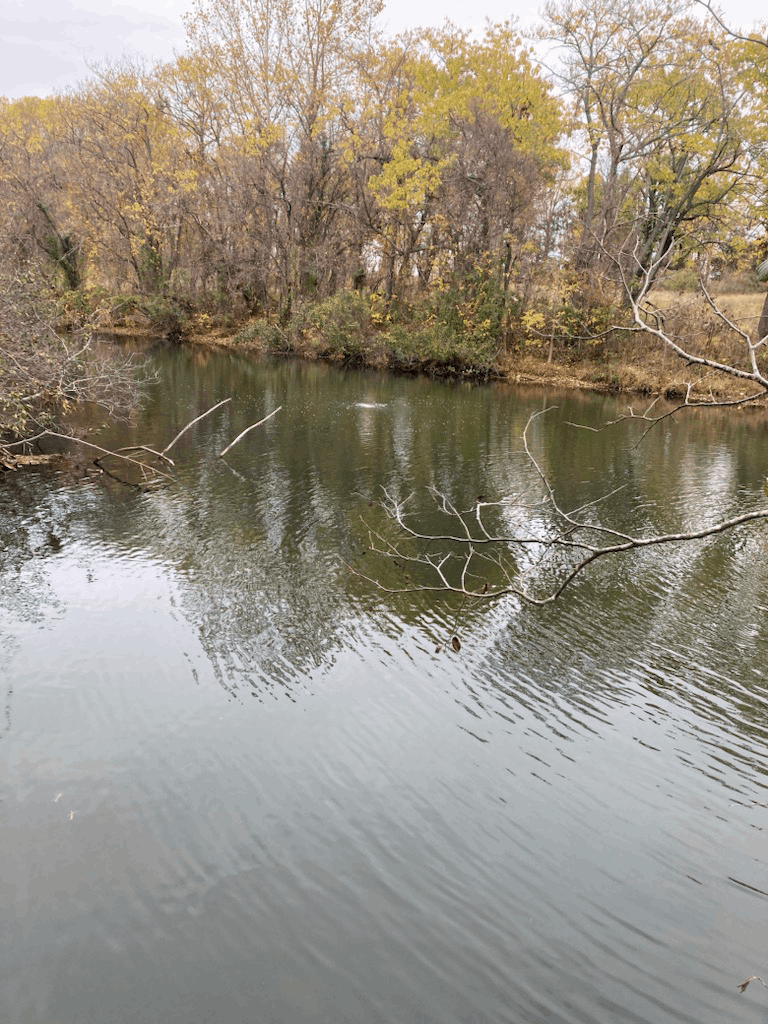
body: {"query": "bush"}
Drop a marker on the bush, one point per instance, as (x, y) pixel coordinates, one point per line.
(577, 315)
(469, 309)
(44, 371)
(262, 334)
(684, 280)
(341, 324)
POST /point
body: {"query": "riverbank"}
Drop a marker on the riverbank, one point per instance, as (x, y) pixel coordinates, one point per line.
(351, 330)
(624, 361)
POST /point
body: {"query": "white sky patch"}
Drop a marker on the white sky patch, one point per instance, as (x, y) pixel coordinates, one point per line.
(47, 45)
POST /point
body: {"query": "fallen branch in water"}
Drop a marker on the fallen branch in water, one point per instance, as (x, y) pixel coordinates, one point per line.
(248, 430)
(104, 452)
(546, 550)
(146, 448)
(191, 423)
(150, 474)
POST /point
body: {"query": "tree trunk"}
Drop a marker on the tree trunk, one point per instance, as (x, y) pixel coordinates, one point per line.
(762, 327)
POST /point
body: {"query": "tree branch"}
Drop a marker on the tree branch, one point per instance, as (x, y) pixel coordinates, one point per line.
(480, 564)
(248, 430)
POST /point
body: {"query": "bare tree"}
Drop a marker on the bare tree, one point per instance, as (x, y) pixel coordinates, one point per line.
(44, 369)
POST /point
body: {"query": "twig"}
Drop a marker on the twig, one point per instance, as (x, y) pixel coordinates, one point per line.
(248, 430)
(104, 451)
(145, 448)
(743, 986)
(568, 535)
(192, 423)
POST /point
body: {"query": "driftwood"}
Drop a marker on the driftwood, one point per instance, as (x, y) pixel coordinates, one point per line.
(12, 462)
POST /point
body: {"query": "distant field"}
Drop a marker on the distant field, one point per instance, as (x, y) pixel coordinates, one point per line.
(743, 308)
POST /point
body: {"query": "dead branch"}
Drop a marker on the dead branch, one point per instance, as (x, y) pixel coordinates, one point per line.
(536, 562)
(687, 403)
(248, 430)
(642, 309)
(743, 986)
(183, 431)
(148, 450)
(104, 452)
(149, 474)
(739, 36)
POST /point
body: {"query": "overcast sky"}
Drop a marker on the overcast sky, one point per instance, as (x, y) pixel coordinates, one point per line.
(47, 44)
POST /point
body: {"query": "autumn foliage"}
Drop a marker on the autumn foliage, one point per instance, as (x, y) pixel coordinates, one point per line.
(294, 154)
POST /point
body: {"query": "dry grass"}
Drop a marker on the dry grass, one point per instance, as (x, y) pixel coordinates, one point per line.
(691, 322)
(634, 362)
(743, 308)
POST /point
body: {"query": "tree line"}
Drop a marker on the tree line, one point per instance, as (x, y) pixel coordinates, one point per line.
(294, 152)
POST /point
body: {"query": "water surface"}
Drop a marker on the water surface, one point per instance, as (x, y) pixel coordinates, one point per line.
(239, 785)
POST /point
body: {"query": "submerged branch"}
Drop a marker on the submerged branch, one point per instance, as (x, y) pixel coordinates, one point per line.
(104, 452)
(150, 474)
(191, 423)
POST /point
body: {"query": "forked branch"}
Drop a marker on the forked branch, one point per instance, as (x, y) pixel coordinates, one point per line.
(548, 547)
(649, 321)
(143, 458)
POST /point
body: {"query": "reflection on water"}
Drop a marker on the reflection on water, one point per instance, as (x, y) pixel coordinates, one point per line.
(237, 785)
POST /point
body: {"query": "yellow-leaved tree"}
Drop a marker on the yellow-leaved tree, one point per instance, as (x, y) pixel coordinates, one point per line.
(662, 121)
(460, 139)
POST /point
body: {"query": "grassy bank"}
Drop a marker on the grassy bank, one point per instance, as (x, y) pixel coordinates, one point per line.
(354, 329)
(470, 328)
(351, 329)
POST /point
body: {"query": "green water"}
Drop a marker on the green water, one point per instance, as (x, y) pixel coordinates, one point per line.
(239, 785)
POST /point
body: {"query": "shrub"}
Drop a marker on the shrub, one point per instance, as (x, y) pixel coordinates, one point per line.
(341, 323)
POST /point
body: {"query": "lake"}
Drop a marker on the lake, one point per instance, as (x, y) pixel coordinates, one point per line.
(240, 785)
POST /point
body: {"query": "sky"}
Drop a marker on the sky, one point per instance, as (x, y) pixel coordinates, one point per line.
(47, 45)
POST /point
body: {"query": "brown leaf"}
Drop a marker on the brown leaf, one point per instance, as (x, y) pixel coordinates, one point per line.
(456, 644)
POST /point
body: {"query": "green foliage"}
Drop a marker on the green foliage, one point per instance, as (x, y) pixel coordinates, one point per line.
(466, 312)
(263, 335)
(431, 347)
(342, 324)
(76, 308)
(62, 251)
(686, 279)
(455, 328)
